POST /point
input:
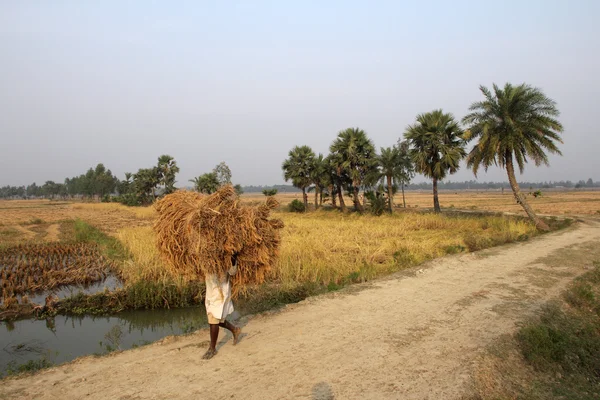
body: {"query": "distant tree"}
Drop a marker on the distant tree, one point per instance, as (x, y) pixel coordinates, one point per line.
(206, 183)
(238, 189)
(223, 173)
(437, 147)
(298, 168)
(269, 192)
(339, 178)
(33, 190)
(167, 167)
(125, 186)
(511, 125)
(389, 169)
(356, 155)
(145, 182)
(406, 169)
(319, 175)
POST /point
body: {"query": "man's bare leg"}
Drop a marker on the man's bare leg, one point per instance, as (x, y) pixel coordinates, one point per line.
(235, 331)
(214, 335)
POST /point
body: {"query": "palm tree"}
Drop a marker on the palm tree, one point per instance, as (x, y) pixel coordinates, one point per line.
(319, 177)
(168, 169)
(512, 125)
(206, 183)
(389, 161)
(355, 154)
(406, 169)
(339, 179)
(298, 167)
(437, 147)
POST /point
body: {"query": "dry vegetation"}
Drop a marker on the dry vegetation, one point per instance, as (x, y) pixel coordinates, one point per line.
(322, 248)
(552, 202)
(198, 235)
(32, 268)
(327, 247)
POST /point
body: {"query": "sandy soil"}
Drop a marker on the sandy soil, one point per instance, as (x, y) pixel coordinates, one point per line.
(415, 335)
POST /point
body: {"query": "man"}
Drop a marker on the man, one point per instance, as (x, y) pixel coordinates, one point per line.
(218, 307)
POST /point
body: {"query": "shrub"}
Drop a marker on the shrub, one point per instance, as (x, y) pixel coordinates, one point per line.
(269, 192)
(377, 202)
(296, 206)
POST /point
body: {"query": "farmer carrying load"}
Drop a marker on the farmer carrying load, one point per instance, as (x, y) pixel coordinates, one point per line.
(214, 237)
(218, 307)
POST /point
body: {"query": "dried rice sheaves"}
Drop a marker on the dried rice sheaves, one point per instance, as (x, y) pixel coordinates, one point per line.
(198, 234)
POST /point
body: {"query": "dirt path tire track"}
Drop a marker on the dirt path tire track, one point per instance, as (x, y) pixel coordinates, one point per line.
(412, 336)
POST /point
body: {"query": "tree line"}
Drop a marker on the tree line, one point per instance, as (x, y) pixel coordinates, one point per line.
(140, 188)
(99, 183)
(510, 126)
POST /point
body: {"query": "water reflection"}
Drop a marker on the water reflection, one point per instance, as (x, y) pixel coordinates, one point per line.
(64, 338)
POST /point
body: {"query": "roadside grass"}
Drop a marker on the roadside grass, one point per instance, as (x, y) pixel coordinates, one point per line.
(553, 356)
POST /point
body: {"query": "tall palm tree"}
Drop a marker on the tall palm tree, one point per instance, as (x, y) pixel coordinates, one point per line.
(513, 124)
(319, 176)
(356, 155)
(298, 168)
(406, 169)
(437, 147)
(339, 179)
(389, 162)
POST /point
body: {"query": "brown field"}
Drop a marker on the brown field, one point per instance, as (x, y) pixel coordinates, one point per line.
(36, 220)
(552, 202)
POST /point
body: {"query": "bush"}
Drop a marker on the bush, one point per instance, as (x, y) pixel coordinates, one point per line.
(377, 202)
(130, 199)
(296, 206)
(269, 192)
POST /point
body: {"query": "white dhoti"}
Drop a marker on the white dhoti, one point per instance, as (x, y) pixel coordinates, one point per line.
(218, 298)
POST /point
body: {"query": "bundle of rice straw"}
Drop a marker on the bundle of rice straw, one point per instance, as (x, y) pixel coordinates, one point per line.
(198, 234)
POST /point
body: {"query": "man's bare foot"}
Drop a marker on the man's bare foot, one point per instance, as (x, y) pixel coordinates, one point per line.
(236, 335)
(210, 353)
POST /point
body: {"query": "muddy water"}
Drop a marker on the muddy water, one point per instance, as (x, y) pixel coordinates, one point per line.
(64, 338)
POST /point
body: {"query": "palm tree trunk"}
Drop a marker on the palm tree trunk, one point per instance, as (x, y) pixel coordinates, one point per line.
(436, 200)
(357, 205)
(316, 197)
(341, 197)
(332, 194)
(390, 194)
(510, 169)
(305, 199)
(403, 198)
(320, 197)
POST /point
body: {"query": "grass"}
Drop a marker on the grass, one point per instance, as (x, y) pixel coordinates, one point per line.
(557, 354)
(110, 247)
(30, 366)
(565, 342)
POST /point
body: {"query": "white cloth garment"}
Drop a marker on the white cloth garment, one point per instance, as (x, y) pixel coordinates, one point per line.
(218, 297)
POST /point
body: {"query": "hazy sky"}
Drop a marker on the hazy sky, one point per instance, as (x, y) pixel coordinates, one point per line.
(122, 82)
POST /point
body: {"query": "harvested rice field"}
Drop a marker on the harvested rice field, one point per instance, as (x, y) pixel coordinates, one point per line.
(552, 202)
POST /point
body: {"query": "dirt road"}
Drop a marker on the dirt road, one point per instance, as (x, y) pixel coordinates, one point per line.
(411, 336)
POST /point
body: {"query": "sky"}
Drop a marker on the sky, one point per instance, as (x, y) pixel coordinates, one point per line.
(122, 82)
